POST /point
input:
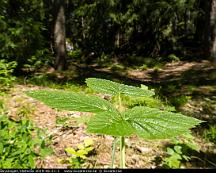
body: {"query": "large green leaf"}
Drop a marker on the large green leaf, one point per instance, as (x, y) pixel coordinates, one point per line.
(109, 124)
(152, 123)
(72, 101)
(113, 88)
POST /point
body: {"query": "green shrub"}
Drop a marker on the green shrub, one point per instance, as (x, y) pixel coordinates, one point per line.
(21, 144)
(75, 54)
(6, 77)
(41, 58)
(173, 58)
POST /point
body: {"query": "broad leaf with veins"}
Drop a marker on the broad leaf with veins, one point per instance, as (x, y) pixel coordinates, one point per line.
(152, 123)
(146, 122)
(72, 101)
(109, 124)
(114, 88)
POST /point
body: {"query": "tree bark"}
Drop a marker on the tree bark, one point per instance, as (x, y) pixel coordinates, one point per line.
(59, 35)
(212, 28)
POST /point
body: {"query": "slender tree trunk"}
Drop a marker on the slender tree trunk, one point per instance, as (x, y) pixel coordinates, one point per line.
(59, 35)
(212, 28)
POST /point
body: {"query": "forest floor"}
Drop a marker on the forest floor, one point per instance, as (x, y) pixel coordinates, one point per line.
(140, 153)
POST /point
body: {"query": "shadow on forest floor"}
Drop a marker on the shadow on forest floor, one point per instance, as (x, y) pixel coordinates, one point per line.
(190, 86)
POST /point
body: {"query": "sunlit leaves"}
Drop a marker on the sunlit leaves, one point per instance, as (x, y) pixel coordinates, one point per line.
(72, 101)
(113, 88)
(152, 123)
(21, 144)
(109, 124)
(146, 122)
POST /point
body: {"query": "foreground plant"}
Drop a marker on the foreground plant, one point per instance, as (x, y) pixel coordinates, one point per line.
(116, 120)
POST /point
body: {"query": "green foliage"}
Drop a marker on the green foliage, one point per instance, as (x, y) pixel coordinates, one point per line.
(21, 144)
(173, 57)
(72, 101)
(97, 29)
(6, 70)
(40, 58)
(62, 121)
(145, 122)
(180, 100)
(1, 106)
(80, 154)
(149, 123)
(153, 102)
(113, 88)
(210, 134)
(175, 158)
(25, 111)
(75, 54)
(110, 124)
(22, 32)
(179, 152)
(51, 81)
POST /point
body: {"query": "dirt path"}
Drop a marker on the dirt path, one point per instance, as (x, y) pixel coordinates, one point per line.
(177, 71)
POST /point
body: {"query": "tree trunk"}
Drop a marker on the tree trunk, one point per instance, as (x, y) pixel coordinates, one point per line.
(212, 33)
(59, 35)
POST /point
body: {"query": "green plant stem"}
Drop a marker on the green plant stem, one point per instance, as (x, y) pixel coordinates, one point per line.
(120, 103)
(113, 151)
(122, 138)
(122, 152)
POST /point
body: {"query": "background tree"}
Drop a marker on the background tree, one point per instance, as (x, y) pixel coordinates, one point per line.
(211, 29)
(59, 35)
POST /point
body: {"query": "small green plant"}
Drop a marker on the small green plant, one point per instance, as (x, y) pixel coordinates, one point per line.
(210, 134)
(176, 156)
(179, 101)
(180, 151)
(21, 144)
(62, 121)
(173, 58)
(117, 120)
(25, 111)
(6, 70)
(79, 155)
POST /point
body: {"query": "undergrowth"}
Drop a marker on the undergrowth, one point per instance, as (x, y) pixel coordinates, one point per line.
(21, 143)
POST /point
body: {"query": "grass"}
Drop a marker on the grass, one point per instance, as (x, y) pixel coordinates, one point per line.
(51, 81)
